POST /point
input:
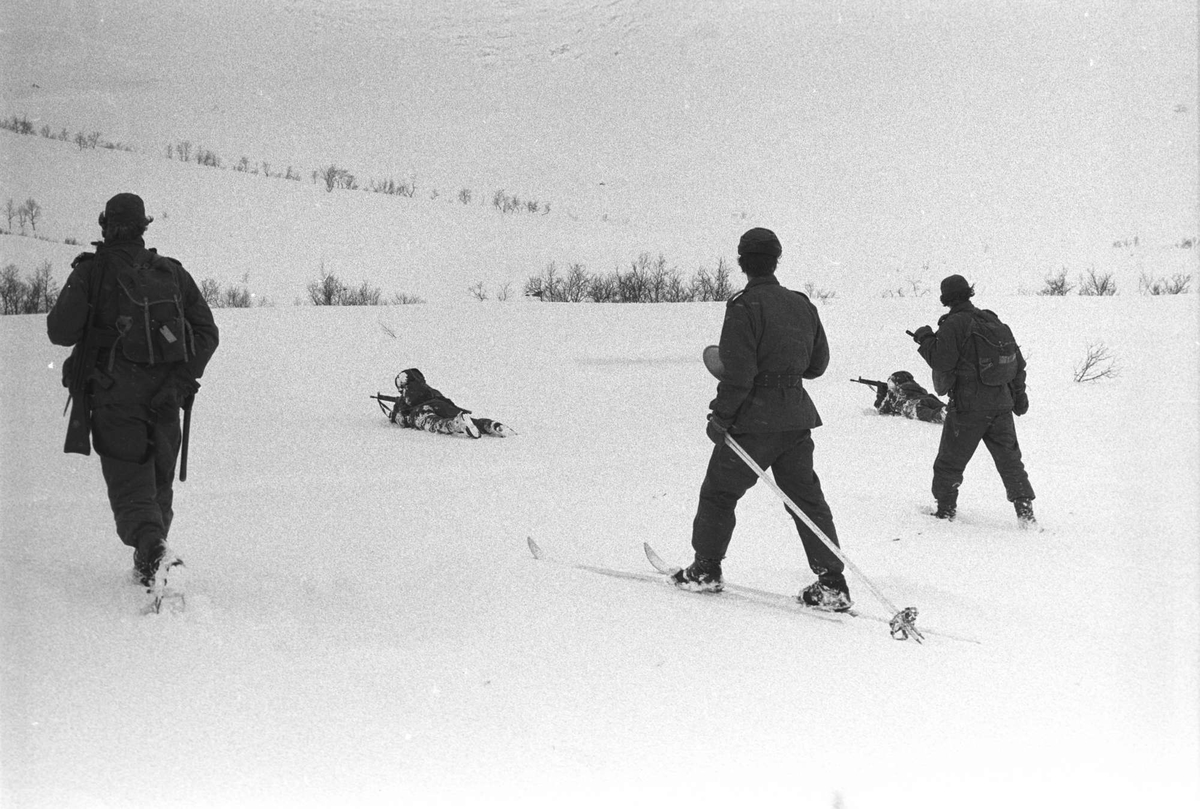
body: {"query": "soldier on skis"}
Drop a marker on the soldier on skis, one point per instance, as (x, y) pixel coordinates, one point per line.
(142, 335)
(771, 341)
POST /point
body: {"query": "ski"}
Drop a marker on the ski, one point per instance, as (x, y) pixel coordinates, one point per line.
(166, 591)
(539, 554)
(751, 592)
(743, 594)
(791, 603)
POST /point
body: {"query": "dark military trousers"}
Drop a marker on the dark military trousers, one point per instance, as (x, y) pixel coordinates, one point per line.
(138, 448)
(789, 456)
(961, 434)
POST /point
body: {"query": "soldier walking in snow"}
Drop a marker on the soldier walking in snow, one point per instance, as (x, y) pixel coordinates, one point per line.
(976, 361)
(142, 335)
(771, 341)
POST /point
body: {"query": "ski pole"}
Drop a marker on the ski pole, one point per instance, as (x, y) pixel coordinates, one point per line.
(902, 620)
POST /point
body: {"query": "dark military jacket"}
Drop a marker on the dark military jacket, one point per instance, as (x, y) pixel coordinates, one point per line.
(771, 340)
(417, 397)
(953, 357)
(116, 379)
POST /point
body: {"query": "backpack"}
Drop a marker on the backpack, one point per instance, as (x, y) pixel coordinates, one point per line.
(995, 349)
(151, 327)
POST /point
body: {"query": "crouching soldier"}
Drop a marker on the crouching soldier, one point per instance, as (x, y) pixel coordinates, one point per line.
(904, 396)
(424, 408)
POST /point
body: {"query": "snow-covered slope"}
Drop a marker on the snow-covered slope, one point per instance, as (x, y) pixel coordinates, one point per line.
(367, 625)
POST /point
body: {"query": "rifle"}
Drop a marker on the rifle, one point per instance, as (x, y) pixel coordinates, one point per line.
(384, 400)
(83, 370)
(874, 383)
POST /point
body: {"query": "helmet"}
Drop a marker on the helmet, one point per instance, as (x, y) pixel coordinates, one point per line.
(407, 377)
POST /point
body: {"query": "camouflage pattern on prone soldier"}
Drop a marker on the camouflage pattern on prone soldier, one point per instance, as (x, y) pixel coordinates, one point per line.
(905, 397)
(422, 407)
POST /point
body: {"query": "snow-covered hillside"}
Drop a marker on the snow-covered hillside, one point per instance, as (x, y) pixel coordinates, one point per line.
(367, 626)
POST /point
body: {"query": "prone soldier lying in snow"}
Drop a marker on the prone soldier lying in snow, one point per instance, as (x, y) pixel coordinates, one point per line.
(424, 408)
(903, 396)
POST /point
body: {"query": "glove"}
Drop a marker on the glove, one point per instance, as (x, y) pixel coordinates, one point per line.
(718, 426)
(1020, 405)
(922, 334)
(175, 391)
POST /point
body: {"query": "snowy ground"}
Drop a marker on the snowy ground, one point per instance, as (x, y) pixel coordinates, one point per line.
(366, 626)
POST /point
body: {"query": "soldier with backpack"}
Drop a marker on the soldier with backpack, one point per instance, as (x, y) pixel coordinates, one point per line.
(978, 363)
(142, 335)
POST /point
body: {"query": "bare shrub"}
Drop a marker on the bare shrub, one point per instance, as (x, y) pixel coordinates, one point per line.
(1056, 285)
(914, 288)
(403, 188)
(464, 196)
(1097, 284)
(335, 177)
(362, 295)
(12, 290)
(326, 290)
(19, 296)
(232, 297)
(648, 280)
(1178, 284)
(21, 126)
(1097, 363)
(207, 157)
(817, 293)
(210, 290)
(505, 203)
(545, 286)
(576, 286)
(715, 287)
(329, 290)
(510, 203)
(402, 299)
(43, 291)
(478, 291)
(603, 288)
(236, 297)
(33, 212)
